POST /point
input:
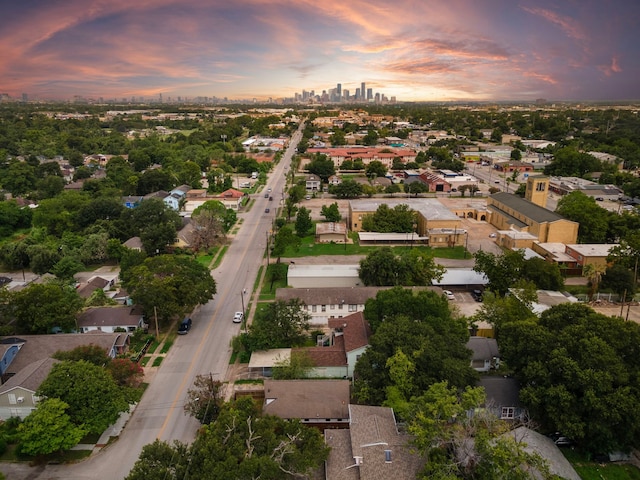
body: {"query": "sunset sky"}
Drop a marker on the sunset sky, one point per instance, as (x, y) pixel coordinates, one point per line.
(416, 50)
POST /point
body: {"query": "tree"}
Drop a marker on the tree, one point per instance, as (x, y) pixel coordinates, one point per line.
(399, 219)
(205, 400)
(393, 188)
(331, 213)
(462, 445)
(48, 429)
(303, 222)
(416, 188)
(579, 375)
(295, 367)
(155, 223)
(593, 272)
(94, 399)
(545, 275)
(242, 443)
(348, 188)
(414, 267)
(427, 334)
(593, 219)
(375, 169)
(125, 372)
(619, 279)
(172, 284)
(281, 325)
(161, 461)
(284, 239)
(322, 166)
(502, 270)
(39, 308)
(211, 220)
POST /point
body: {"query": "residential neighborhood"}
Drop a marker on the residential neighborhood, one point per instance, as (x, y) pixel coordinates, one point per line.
(404, 303)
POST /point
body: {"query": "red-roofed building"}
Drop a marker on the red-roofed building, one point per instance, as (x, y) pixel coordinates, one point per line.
(366, 154)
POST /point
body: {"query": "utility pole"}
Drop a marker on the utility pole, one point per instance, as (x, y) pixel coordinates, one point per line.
(155, 314)
(267, 235)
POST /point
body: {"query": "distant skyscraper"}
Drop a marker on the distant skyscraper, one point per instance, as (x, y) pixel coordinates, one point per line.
(363, 91)
(369, 93)
(25, 97)
(358, 93)
(339, 90)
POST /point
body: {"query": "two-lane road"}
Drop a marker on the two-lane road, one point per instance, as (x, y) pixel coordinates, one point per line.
(205, 350)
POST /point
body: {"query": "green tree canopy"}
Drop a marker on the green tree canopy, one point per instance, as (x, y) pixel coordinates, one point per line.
(579, 374)
(240, 444)
(382, 267)
(39, 308)
(303, 222)
(348, 188)
(172, 284)
(593, 219)
(322, 166)
(48, 429)
(331, 213)
(375, 169)
(399, 219)
(282, 324)
(94, 399)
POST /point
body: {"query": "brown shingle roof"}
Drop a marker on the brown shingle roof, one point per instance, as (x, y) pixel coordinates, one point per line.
(330, 295)
(307, 398)
(38, 347)
(120, 316)
(355, 330)
(31, 376)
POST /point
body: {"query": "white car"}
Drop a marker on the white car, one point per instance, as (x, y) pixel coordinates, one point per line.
(449, 294)
(237, 317)
(492, 235)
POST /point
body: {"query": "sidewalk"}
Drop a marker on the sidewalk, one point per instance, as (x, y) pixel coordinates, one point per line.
(111, 431)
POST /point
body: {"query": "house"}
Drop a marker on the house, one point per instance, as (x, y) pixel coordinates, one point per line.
(485, 354)
(110, 319)
(335, 180)
(535, 442)
(328, 232)
(171, 200)
(97, 282)
(319, 403)
(326, 303)
(513, 166)
(262, 362)
(502, 397)
(18, 394)
(372, 448)
(230, 198)
(313, 182)
(337, 352)
(134, 243)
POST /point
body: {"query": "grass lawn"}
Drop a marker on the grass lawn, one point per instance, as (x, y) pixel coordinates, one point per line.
(145, 360)
(220, 257)
(157, 361)
(268, 292)
(600, 471)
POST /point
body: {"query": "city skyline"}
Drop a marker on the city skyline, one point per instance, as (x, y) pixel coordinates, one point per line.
(270, 49)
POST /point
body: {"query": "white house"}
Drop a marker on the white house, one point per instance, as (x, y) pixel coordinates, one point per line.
(110, 319)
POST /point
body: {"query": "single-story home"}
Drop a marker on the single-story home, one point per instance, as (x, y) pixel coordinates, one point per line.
(109, 319)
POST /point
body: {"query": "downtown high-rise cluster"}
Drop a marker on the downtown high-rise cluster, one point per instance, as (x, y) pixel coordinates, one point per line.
(362, 94)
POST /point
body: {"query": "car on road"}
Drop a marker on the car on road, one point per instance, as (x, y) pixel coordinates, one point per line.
(269, 189)
(185, 326)
(492, 235)
(266, 210)
(599, 199)
(449, 294)
(266, 195)
(237, 317)
(271, 199)
(497, 181)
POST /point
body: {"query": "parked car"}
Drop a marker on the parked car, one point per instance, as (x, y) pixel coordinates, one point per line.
(266, 210)
(599, 199)
(308, 197)
(185, 326)
(477, 295)
(237, 317)
(492, 235)
(449, 294)
(561, 440)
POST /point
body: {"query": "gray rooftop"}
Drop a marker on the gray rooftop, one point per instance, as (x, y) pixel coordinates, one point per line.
(527, 208)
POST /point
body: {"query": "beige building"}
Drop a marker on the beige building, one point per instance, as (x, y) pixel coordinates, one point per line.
(434, 220)
(328, 232)
(510, 212)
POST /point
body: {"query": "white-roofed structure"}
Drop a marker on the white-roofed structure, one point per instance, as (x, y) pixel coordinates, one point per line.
(462, 278)
(263, 361)
(315, 276)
